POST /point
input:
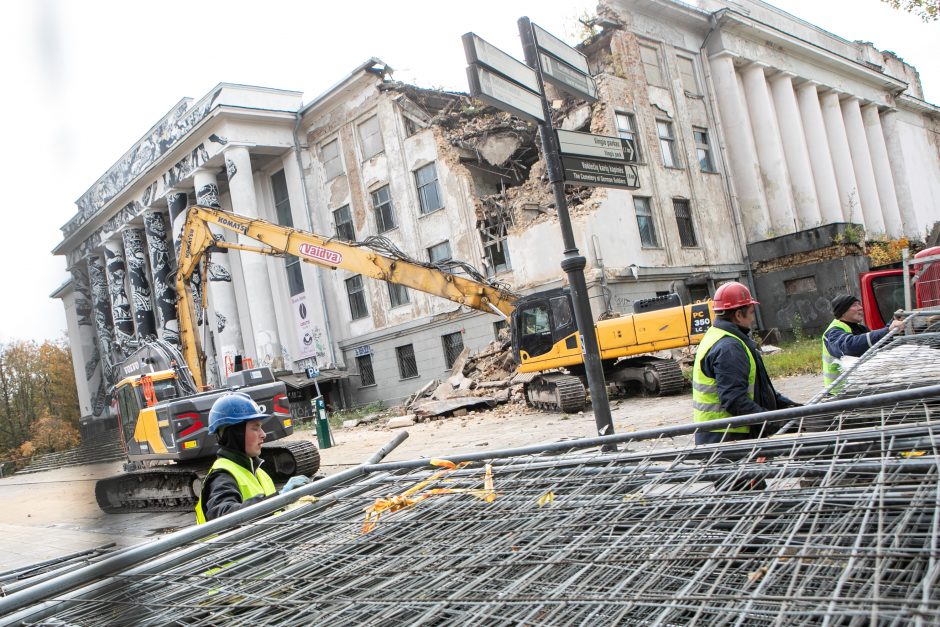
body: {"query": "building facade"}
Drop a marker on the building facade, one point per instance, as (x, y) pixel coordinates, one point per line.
(769, 150)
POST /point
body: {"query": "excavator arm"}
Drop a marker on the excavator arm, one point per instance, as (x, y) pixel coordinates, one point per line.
(197, 241)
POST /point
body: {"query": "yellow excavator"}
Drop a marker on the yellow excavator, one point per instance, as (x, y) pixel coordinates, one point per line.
(545, 339)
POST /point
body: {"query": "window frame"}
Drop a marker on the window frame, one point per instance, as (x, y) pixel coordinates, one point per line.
(450, 253)
(378, 210)
(450, 357)
(696, 90)
(658, 66)
(705, 148)
(649, 218)
(401, 299)
(365, 141)
(360, 359)
(421, 187)
(358, 293)
(630, 132)
(668, 142)
(401, 356)
(326, 162)
(689, 230)
(350, 223)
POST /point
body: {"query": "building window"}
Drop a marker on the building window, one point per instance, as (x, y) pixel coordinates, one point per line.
(370, 138)
(407, 366)
(397, 294)
(453, 346)
(332, 160)
(366, 374)
(497, 257)
(429, 194)
(687, 74)
(667, 143)
(384, 212)
(357, 297)
(650, 58)
(411, 126)
(644, 222)
(342, 219)
(498, 327)
(684, 222)
(295, 279)
(703, 149)
(626, 129)
(440, 254)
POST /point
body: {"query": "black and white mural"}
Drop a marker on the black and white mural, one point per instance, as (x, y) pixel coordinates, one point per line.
(101, 308)
(176, 203)
(120, 305)
(86, 345)
(138, 271)
(163, 273)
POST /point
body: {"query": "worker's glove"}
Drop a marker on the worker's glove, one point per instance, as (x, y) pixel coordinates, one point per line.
(294, 482)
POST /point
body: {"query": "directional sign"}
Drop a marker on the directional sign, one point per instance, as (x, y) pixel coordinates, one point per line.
(559, 49)
(480, 52)
(600, 146)
(580, 171)
(492, 89)
(566, 78)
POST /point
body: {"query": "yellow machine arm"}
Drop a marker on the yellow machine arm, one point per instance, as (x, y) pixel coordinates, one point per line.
(197, 239)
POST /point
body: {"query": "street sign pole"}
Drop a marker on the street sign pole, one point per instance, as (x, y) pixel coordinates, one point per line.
(573, 262)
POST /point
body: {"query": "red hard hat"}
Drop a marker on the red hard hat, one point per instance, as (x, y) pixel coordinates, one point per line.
(732, 295)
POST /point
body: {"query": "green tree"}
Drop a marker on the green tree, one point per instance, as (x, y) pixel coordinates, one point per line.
(926, 10)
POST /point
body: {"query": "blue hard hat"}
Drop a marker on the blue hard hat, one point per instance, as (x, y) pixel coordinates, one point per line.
(232, 409)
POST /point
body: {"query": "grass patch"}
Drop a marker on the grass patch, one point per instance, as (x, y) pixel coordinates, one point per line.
(802, 356)
(337, 418)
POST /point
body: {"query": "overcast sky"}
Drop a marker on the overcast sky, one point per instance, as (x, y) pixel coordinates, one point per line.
(83, 81)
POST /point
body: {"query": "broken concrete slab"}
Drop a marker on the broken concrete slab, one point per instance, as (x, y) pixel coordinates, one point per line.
(349, 424)
(400, 421)
(430, 408)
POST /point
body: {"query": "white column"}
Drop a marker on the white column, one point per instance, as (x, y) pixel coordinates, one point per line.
(884, 180)
(741, 152)
(820, 159)
(864, 172)
(163, 268)
(841, 158)
(795, 151)
(224, 322)
(267, 341)
(773, 164)
(899, 171)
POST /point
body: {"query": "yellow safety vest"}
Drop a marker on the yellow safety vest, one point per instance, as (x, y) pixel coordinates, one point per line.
(830, 365)
(251, 485)
(705, 403)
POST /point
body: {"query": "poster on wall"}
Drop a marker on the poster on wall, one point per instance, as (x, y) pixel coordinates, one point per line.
(306, 340)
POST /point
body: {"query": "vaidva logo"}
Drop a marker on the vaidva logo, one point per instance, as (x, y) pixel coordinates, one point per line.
(322, 254)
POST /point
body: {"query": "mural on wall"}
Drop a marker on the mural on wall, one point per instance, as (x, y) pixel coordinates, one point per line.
(84, 314)
(163, 271)
(139, 274)
(120, 305)
(101, 306)
(177, 202)
(174, 125)
(183, 168)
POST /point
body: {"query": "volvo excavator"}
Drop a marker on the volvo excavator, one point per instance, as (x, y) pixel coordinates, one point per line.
(545, 340)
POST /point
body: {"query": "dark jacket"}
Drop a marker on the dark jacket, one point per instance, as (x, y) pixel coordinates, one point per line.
(853, 344)
(220, 492)
(727, 363)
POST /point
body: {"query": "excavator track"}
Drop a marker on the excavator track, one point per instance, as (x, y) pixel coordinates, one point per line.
(159, 489)
(556, 392)
(283, 460)
(663, 377)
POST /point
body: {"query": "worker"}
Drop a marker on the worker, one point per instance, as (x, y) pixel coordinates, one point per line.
(236, 479)
(846, 335)
(729, 377)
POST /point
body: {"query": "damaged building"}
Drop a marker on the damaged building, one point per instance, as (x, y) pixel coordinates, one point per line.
(769, 150)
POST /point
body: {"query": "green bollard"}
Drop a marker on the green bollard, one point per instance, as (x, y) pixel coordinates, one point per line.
(324, 437)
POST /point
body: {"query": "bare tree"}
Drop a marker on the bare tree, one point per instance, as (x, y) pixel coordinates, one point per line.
(926, 10)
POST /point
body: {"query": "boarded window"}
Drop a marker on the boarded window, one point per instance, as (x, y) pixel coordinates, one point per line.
(366, 374)
(703, 149)
(357, 297)
(667, 143)
(342, 219)
(687, 74)
(370, 138)
(295, 280)
(650, 58)
(397, 294)
(429, 194)
(453, 346)
(332, 160)
(684, 222)
(644, 222)
(384, 211)
(407, 365)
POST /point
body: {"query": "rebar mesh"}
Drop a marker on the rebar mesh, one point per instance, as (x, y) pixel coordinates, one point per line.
(839, 527)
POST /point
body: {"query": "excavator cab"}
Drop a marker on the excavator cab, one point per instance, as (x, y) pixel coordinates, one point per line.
(540, 322)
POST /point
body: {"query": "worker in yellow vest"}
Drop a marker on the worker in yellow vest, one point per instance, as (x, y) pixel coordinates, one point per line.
(846, 335)
(729, 377)
(236, 479)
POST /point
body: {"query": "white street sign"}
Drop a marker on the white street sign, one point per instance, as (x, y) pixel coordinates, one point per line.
(483, 53)
(554, 46)
(495, 90)
(566, 78)
(602, 146)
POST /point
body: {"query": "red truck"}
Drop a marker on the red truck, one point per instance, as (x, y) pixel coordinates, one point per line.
(886, 291)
